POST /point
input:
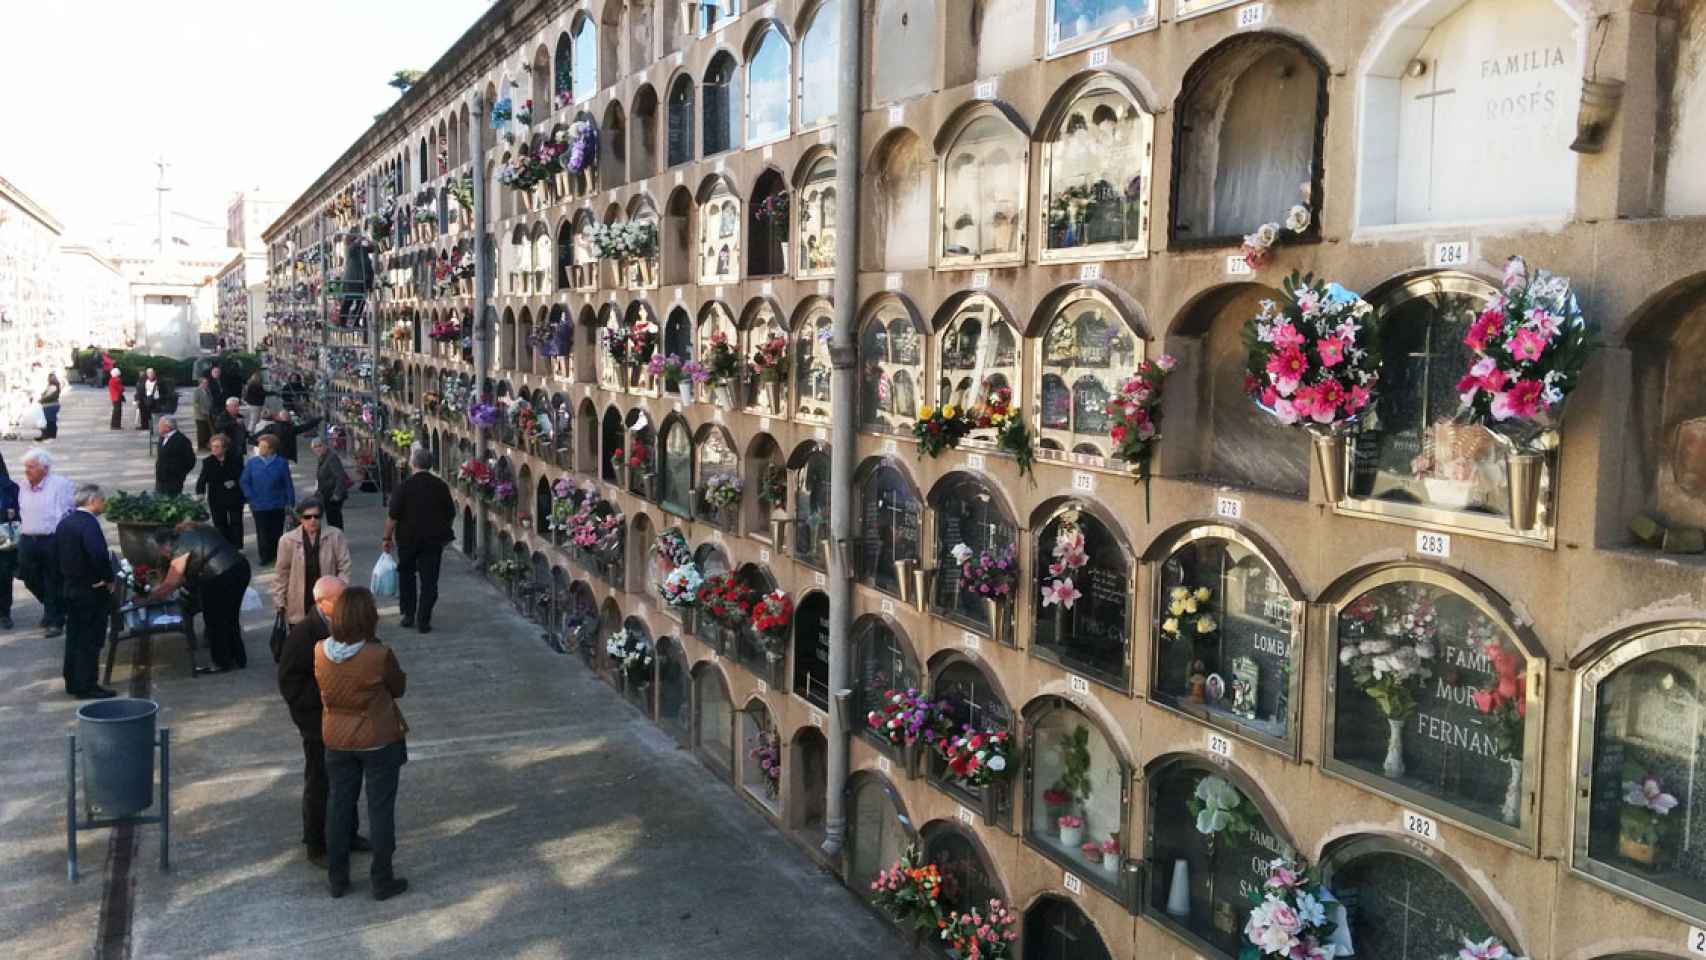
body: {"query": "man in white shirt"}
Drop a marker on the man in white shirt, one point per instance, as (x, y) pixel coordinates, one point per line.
(44, 499)
(147, 398)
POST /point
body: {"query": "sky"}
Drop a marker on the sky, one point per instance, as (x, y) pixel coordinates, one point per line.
(236, 96)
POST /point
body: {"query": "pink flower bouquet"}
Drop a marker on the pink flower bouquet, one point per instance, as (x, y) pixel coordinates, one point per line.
(1136, 413)
(1290, 917)
(1314, 360)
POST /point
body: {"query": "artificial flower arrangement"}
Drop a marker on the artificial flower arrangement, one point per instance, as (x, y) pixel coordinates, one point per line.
(445, 331)
(1259, 246)
(1313, 359)
(630, 655)
(910, 891)
(642, 335)
(462, 191)
(1644, 815)
(673, 370)
(1391, 669)
(722, 490)
(990, 574)
(526, 422)
(580, 142)
(980, 935)
(996, 413)
(1504, 700)
(773, 487)
(553, 339)
(1491, 948)
(722, 360)
(593, 533)
(402, 331)
(503, 493)
(483, 415)
(1219, 807)
(766, 751)
(726, 600)
(624, 240)
(672, 550)
(565, 501)
(1136, 412)
(680, 587)
(615, 343)
(1189, 612)
(977, 758)
(908, 716)
(524, 116)
(1069, 557)
(939, 428)
(773, 209)
(476, 475)
(402, 437)
(502, 111)
(771, 359)
(639, 456)
(508, 569)
(772, 615)
(1294, 916)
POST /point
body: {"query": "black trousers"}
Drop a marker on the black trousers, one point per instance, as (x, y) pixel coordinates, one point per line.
(8, 570)
(269, 526)
(229, 522)
(422, 560)
(316, 792)
(144, 413)
(88, 612)
(334, 513)
(203, 433)
(348, 769)
(118, 414)
(221, 603)
(38, 563)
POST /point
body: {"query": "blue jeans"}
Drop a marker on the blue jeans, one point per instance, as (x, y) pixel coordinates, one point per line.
(51, 412)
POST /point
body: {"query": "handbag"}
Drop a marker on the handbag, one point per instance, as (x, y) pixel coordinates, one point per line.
(9, 535)
(280, 631)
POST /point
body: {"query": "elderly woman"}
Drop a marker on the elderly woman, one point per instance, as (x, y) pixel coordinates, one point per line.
(360, 682)
(199, 557)
(311, 551)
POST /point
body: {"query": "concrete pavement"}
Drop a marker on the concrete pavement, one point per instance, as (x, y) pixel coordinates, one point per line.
(538, 816)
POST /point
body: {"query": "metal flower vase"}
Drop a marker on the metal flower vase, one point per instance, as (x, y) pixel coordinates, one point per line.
(997, 610)
(923, 580)
(903, 570)
(1522, 478)
(1331, 454)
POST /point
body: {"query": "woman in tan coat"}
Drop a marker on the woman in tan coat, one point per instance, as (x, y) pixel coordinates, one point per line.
(299, 567)
(360, 681)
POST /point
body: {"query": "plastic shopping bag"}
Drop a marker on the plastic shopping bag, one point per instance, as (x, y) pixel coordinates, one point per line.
(384, 581)
(251, 600)
(37, 417)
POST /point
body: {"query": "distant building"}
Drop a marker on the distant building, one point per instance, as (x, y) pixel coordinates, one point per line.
(32, 336)
(96, 298)
(235, 310)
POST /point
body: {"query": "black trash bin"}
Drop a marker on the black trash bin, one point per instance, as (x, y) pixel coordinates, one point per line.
(117, 739)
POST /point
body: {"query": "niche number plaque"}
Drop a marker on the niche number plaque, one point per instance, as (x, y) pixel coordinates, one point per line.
(764, 556)
(896, 114)
(966, 816)
(985, 90)
(1083, 481)
(1451, 253)
(1231, 508)
(969, 640)
(883, 764)
(1237, 266)
(887, 607)
(1431, 544)
(1220, 745)
(1079, 685)
(1697, 941)
(1072, 884)
(1416, 825)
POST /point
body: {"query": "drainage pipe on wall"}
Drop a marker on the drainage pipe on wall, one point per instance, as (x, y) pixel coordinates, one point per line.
(844, 356)
(482, 294)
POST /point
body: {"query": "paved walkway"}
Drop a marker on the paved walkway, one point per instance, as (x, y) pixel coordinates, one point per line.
(539, 816)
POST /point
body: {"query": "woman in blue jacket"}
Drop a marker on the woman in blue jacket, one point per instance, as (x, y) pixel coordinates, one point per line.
(268, 487)
(8, 543)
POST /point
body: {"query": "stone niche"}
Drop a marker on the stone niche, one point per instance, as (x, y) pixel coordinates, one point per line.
(1682, 124)
(1468, 110)
(1667, 413)
(903, 56)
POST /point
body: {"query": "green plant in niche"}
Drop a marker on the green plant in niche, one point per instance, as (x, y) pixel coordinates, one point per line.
(1075, 758)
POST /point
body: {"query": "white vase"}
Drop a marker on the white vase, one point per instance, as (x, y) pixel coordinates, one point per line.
(1512, 811)
(1179, 892)
(1111, 864)
(1394, 765)
(1071, 837)
(685, 388)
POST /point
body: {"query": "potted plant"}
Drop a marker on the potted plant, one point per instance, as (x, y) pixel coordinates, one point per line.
(1110, 850)
(1643, 818)
(770, 361)
(1071, 829)
(990, 575)
(138, 515)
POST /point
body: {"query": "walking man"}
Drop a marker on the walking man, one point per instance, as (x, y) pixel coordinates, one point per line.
(115, 393)
(87, 569)
(331, 482)
(172, 465)
(302, 695)
(43, 501)
(267, 485)
(203, 403)
(220, 472)
(421, 522)
(147, 398)
(231, 424)
(286, 429)
(215, 390)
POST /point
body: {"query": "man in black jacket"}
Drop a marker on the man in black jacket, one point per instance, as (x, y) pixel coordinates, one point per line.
(175, 460)
(286, 430)
(295, 659)
(421, 522)
(87, 571)
(230, 423)
(218, 481)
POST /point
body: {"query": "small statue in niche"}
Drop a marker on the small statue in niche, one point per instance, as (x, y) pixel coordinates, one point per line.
(1198, 682)
(1245, 674)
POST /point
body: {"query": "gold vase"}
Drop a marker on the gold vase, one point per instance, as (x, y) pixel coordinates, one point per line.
(903, 571)
(1522, 476)
(1330, 457)
(923, 580)
(997, 620)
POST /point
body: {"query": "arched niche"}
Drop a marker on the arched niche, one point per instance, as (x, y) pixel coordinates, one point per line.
(768, 99)
(640, 457)
(1439, 67)
(883, 660)
(1211, 818)
(812, 492)
(969, 877)
(768, 219)
(904, 47)
(612, 443)
(612, 28)
(642, 273)
(1408, 900)
(812, 335)
(985, 163)
(611, 375)
(584, 57)
(715, 460)
(815, 236)
(890, 528)
(1247, 136)
(969, 511)
(1642, 698)
(719, 232)
(1090, 345)
(1098, 143)
(680, 118)
(1454, 721)
(807, 771)
(1085, 571)
(765, 328)
(1684, 105)
(591, 439)
(713, 719)
(613, 146)
(1226, 621)
(539, 77)
(582, 261)
(675, 694)
(895, 234)
(767, 472)
(811, 649)
(639, 31)
(717, 345)
(720, 93)
(563, 436)
(980, 351)
(678, 334)
(760, 756)
(1056, 929)
(636, 683)
(563, 73)
(1076, 770)
(878, 829)
(676, 259)
(1231, 440)
(1414, 460)
(1665, 419)
(971, 697)
(892, 343)
(675, 467)
(820, 57)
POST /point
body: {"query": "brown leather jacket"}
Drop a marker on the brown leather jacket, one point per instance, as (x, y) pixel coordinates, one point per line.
(359, 697)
